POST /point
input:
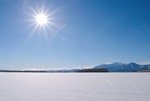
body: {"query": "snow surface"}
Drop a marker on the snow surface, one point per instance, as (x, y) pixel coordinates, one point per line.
(74, 86)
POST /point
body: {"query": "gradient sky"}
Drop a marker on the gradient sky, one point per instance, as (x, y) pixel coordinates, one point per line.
(95, 32)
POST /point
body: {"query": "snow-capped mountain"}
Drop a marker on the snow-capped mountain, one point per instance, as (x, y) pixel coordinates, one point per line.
(123, 67)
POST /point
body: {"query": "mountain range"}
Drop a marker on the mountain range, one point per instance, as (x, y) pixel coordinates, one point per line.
(123, 67)
(114, 67)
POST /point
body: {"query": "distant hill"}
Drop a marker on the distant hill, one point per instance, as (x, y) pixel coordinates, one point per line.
(123, 67)
(50, 71)
(93, 70)
(144, 70)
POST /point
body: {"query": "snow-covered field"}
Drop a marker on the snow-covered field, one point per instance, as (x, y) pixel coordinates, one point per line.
(74, 86)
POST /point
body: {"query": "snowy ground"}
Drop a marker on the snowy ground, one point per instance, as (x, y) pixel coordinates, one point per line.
(74, 86)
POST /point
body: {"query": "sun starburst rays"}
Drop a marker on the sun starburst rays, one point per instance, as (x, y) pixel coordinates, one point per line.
(41, 21)
(44, 22)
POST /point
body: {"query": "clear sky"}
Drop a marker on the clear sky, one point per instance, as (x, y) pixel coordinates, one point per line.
(85, 33)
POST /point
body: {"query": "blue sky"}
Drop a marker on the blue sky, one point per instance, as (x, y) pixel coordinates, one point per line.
(95, 32)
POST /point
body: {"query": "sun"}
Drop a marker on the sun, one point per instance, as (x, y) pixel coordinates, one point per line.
(41, 19)
(44, 21)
